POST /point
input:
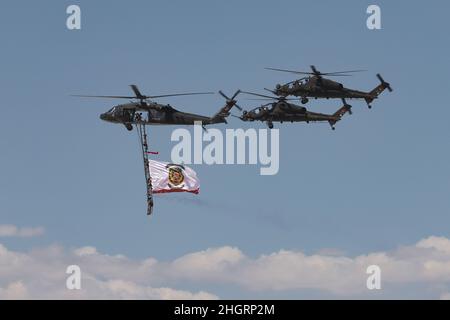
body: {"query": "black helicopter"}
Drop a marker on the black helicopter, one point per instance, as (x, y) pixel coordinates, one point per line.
(280, 110)
(145, 111)
(315, 85)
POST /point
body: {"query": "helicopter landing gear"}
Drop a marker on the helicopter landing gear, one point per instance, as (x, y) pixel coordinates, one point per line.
(350, 112)
(270, 124)
(369, 106)
(304, 100)
(129, 126)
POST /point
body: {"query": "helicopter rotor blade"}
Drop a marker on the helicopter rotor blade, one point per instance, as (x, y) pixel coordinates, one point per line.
(272, 99)
(235, 94)
(136, 91)
(238, 107)
(341, 72)
(271, 91)
(106, 97)
(318, 73)
(234, 97)
(315, 71)
(335, 73)
(178, 94)
(293, 81)
(141, 97)
(261, 95)
(224, 95)
(289, 71)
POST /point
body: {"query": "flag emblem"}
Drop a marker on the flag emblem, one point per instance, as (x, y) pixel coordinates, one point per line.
(176, 176)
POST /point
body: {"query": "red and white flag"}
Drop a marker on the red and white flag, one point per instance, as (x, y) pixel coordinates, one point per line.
(169, 177)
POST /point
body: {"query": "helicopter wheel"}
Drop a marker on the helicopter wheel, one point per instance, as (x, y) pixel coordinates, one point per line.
(369, 106)
(129, 126)
(270, 125)
(304, 100)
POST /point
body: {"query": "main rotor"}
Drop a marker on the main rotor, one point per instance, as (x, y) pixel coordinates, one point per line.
(143, 99)
(263, 97)
(317, 73)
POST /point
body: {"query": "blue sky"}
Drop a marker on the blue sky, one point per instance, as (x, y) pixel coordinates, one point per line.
(380, 181)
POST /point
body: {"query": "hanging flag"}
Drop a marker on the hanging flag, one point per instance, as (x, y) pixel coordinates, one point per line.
(169, 177)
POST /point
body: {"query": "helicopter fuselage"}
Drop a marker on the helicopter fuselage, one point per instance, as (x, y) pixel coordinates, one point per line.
(283, 111)
(150, 114)
(318, 87)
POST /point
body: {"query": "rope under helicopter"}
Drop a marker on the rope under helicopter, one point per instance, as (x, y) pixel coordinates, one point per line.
(142, 135)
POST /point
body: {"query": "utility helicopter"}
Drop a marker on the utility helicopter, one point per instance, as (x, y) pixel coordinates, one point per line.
(148, 112)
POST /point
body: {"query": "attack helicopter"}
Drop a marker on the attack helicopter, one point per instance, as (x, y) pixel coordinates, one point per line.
(145, 111)
(280, 110)
(315, 85)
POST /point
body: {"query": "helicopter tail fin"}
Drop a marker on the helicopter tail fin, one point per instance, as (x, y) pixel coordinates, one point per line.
(338, 115)
(378, 89)
(224, 112)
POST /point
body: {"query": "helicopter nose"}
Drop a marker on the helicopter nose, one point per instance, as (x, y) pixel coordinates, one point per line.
(103, 116)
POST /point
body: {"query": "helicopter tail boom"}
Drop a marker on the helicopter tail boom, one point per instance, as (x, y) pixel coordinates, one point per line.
(338, 115)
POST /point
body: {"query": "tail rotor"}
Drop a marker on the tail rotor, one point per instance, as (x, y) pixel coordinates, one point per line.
(231, 102)
(386, 84)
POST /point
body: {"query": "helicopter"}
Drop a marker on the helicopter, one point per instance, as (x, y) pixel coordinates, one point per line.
(148, 112)
(315, 85)
(280, 110)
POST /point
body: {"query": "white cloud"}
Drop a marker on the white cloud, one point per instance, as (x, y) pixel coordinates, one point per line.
(445, 296)
(130, 290)
(438, 243)
(84, 251)
(41, 273)
(425, 263)
(14, 291)
(8, 230)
